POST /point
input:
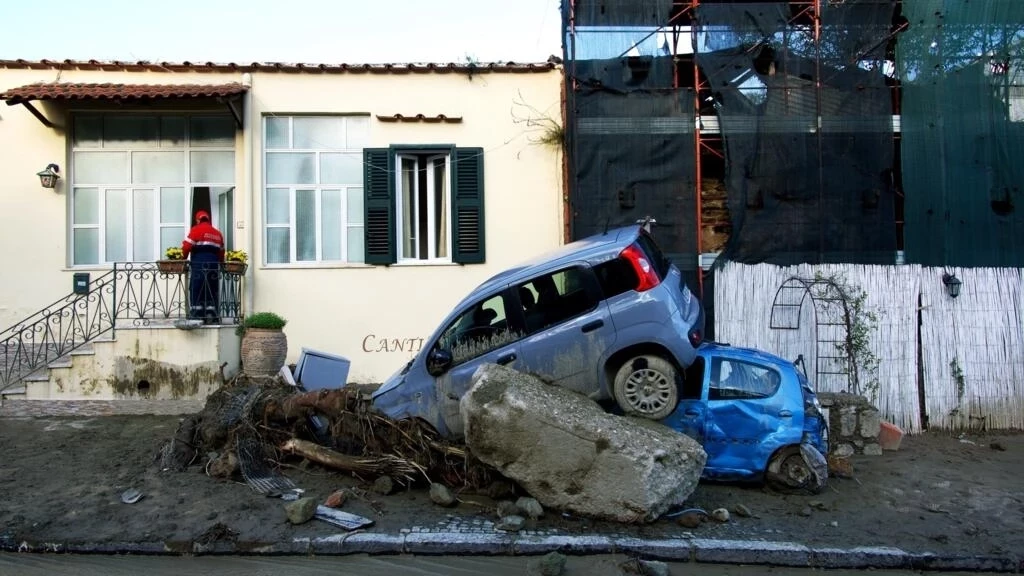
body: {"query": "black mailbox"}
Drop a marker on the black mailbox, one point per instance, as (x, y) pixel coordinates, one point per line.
(81, 282)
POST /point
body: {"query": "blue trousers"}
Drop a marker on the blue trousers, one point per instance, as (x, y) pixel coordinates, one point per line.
(204, 286)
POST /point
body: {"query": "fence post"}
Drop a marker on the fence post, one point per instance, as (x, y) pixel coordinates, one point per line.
(113, 306)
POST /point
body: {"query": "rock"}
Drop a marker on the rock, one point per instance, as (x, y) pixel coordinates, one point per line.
(818, 504)
(644, 567)
(720, 515)
(510, 523)
(441, 495)
(530, 507)
(847, 420)
(840, 466)
(500, 490)
(870, 423)
(336, 499)
(384, 485)
(550, 564)
(742, 511)
(872, 449)
(690, 520)
(843, 450)
(806, 511)
(834, 524)
(224, 466)
(998, 446)
(571, 455)
(300, 511)
(507, 508)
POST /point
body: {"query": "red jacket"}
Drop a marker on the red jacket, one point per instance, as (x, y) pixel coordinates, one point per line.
(204, 236)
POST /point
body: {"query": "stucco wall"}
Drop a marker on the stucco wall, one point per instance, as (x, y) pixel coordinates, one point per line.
(375, 316)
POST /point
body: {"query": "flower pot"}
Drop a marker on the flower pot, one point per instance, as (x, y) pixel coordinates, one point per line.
(235, 267)
(263, 352)
(172, 266)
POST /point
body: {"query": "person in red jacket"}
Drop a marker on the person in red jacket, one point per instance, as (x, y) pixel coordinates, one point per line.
(204, 246)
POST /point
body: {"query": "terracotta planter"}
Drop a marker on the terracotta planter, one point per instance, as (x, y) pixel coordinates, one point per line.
(264, 351)
(235, 267)
(172, 266)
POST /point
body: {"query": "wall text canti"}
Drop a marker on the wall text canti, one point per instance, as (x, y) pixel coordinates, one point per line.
(373, 343)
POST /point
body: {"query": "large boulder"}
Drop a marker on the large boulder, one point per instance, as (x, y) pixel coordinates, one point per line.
(571, 455)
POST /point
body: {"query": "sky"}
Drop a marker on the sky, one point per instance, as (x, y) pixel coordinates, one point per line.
(323, 31)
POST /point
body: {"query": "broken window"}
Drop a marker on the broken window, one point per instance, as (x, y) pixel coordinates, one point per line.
(736, 380)
(481, 329)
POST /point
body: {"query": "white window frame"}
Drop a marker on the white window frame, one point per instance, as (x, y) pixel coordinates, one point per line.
(432, 241)
(319, 189)
(154, 187)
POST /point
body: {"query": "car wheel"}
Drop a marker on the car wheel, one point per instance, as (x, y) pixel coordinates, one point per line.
(789, 472)
(647, 386)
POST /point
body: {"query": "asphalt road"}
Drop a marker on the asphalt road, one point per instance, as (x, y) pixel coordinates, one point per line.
(54, 564)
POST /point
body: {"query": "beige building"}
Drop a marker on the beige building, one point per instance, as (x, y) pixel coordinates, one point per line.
(370, 199)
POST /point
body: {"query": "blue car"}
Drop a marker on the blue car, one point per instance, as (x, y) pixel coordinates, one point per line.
(608, 316)
(756, 416)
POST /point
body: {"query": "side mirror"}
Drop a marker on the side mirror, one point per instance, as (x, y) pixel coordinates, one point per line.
(438, 361)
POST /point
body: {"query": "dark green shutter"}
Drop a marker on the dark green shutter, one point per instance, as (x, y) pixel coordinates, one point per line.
(379, 205)
(468, 207)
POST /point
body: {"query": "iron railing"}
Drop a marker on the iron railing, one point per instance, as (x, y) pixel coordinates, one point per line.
(135, 294)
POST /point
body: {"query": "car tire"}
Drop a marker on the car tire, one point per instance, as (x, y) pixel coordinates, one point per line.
(647, 386)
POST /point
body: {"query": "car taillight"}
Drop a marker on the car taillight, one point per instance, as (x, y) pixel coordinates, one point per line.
(695, 338)
(643, 268)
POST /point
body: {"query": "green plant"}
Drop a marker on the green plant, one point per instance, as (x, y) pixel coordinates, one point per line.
(860, 323)
(261, 321)
(958, 377)
(551, 131)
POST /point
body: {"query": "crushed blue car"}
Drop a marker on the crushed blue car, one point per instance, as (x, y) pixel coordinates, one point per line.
(757, 417)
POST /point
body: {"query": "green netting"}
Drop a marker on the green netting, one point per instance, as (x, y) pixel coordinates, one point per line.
(960, 64)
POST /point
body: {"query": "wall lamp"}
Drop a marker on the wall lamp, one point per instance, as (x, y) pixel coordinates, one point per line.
(49, 176)
(952, 284)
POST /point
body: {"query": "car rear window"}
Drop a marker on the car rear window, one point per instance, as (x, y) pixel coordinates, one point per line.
(654, 254)
(615, 277)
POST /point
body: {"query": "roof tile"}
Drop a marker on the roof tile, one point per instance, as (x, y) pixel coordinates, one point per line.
(107, 91)
(388, 68)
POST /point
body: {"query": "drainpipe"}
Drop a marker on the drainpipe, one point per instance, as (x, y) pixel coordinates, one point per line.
(250, 198)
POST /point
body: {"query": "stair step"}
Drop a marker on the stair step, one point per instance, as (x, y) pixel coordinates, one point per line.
(86, 350)
(38, 376)
(62, 362)
(16, 390)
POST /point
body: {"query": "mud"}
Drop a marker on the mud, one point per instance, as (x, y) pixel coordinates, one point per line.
(62, 479)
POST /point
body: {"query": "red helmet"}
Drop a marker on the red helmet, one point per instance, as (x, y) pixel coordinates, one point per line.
(202, 215)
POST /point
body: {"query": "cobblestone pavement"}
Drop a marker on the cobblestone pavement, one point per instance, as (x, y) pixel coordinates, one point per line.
(46, 408)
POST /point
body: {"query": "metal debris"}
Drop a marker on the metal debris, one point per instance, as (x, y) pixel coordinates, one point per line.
(341, 519)
(254, 462)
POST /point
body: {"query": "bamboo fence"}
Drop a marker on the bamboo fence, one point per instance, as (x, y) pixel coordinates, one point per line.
(970, 360)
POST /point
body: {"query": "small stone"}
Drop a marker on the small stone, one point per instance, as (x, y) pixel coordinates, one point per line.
(300, 511)
(998, 446)
(872, 449)
(806, 511)
(550, 564)
(834, 524)
(840, 466)
(500, 490)
(843, 450)
(512, 523)
(336, 499)
(384, 485)
(224, 466)
(720, 515)
(507, 508)
(530, 506)
(690, 520)
(818, 504)
(441, 495)
(653, 568)
(742, 511)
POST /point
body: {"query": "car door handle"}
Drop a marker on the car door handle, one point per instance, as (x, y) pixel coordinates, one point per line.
(591, 326)
(785, 413)
(506, 358)
(692, 412)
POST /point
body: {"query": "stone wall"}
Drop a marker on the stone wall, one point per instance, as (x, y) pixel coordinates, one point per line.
(853, 424)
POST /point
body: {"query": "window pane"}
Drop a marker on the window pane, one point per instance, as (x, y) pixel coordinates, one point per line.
(355, 206)
(213, 166)
(86, 206)
(143, 216)
(277, 132)
(130, 131)
(355, 244)
(291, 168)
(278, 245)
(87, 245)
(170, 236)
(156, 167)
(408, 208)
(116, 225)
(212, 131)
(358, 132)
(341, 168)
(330, 224)
(172, 205)
(172, 131)
(305, 225)
(101, 167)
(478, 331)
(88, 132)
(440, 207)
(277, 206)
(319, 133)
